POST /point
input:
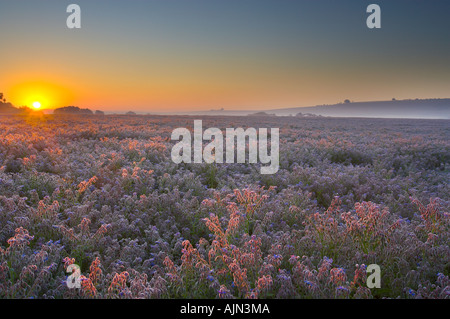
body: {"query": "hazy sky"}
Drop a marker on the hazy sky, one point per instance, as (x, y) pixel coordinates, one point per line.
(170, 55)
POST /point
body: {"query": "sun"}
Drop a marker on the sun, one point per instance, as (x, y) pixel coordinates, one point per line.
(37, 105)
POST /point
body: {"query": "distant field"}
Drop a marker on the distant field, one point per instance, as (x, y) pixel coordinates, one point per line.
(102, 192)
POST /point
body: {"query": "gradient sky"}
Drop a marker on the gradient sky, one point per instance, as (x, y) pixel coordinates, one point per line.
(170, 55)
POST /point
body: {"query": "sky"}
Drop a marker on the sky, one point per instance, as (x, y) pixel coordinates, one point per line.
(189, 55)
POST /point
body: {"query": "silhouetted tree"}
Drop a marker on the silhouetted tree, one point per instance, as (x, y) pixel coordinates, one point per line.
(72, 110)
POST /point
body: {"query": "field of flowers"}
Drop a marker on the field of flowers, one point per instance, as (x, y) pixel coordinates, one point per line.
(102, 192)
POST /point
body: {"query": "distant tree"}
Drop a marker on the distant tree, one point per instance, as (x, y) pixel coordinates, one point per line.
(259, 114)
(98, 112)
(347, 101)
(130, 113)
(72, 110)
(393, 99)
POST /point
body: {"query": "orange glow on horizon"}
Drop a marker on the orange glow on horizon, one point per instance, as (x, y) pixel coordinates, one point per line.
(39, 94)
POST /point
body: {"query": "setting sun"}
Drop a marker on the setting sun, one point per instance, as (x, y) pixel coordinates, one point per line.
(39, 94)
